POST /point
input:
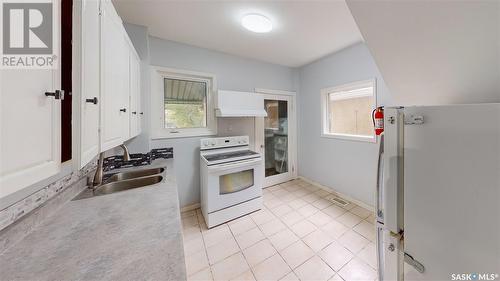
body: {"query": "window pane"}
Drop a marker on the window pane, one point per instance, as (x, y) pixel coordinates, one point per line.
(351, 116)
(185, 103)
(276, 137)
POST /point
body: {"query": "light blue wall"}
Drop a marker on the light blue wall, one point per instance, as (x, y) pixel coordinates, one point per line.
(346, 166)
(232, 73)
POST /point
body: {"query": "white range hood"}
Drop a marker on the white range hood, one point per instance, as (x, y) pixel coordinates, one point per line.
(239, 104)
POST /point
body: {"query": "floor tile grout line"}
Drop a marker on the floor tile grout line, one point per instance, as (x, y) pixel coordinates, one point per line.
(204, 247)
(241, 251)
(288, 227)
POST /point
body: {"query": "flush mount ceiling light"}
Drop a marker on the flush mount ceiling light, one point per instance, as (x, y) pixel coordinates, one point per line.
(257, 23)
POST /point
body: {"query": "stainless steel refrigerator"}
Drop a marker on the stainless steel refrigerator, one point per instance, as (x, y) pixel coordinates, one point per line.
(438, 193)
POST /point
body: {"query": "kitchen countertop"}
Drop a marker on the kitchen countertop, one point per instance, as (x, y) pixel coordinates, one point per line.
(130, 235)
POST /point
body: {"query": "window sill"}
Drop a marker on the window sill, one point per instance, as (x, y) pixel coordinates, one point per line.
(182, 134)
(371, 139)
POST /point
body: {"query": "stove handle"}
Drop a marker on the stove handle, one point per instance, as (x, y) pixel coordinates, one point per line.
(232, 165)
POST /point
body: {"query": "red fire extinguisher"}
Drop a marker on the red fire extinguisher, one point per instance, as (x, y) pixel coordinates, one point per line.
(378, 120)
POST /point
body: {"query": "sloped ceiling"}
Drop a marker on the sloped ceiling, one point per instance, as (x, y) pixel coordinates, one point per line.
(434, 52)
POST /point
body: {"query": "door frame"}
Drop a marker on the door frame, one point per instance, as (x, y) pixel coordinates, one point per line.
(292, 135)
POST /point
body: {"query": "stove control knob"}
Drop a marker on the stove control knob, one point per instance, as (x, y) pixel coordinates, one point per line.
(213, 143)
(205, 143)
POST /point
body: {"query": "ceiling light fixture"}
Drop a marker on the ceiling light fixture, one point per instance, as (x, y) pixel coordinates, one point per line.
(257, 23)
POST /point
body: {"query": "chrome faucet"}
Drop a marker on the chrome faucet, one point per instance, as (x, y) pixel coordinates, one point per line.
(99, 172)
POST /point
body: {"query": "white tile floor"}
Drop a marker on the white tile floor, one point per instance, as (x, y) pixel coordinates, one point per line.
(298, 235)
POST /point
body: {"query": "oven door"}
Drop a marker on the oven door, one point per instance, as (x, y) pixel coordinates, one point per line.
(233, 183)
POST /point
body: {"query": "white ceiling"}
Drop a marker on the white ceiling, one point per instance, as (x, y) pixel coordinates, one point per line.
(303, 31)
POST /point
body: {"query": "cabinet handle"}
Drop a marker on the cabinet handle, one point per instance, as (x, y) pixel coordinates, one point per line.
(94, 100)
(142, 113)
(134, 112)
(123, 110)
(58, 94)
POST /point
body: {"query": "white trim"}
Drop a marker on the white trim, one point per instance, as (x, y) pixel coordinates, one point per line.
(340, 95)
(158, 131)
(339, 194)
(350, 137)
(76, 77)
(343, 95)
(274, 92)
(352, 85)
(190, 207)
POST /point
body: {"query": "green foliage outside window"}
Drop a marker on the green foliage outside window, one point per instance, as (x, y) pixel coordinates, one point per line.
(180, 115)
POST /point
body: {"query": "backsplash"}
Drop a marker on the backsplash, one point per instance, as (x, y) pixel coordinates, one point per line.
(20, 209)
(137, 159)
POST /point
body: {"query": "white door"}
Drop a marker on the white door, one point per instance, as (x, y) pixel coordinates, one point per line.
(112, 55)
(90, 81)
(30, 125)
(276, 139)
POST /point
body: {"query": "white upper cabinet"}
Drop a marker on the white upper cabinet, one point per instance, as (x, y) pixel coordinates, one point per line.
(89, 81)
(124, 92)
(30, 125)
(135, 94)
(113, 107)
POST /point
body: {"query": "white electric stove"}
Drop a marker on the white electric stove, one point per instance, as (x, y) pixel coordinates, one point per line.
(231, 179)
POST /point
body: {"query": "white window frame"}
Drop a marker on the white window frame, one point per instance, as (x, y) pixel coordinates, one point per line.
(324, 109)
(158, 74)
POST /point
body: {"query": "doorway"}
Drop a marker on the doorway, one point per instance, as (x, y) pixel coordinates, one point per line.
(276, 139)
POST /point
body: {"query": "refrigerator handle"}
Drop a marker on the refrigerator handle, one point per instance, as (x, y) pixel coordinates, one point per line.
(413, 262)
(379, 188)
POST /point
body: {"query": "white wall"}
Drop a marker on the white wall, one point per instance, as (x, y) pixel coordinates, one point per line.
(346, 166)
(232, 73)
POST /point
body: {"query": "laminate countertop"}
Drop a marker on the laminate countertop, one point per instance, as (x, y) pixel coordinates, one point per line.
(129, 235)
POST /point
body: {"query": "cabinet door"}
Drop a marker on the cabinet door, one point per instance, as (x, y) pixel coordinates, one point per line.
(90, 87)
(134, 94)
(30, 125)
(112, 106)
(138, 103)
(124, 67)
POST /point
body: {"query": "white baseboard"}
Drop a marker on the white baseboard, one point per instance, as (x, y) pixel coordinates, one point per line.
(191, 207)
(341, 195)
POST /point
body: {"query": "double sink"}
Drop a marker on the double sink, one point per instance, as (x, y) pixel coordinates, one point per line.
(124, 181)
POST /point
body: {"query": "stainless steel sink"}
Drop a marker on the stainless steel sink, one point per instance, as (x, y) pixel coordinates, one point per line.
(122, 185)
(133, 174)
(124, 181)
